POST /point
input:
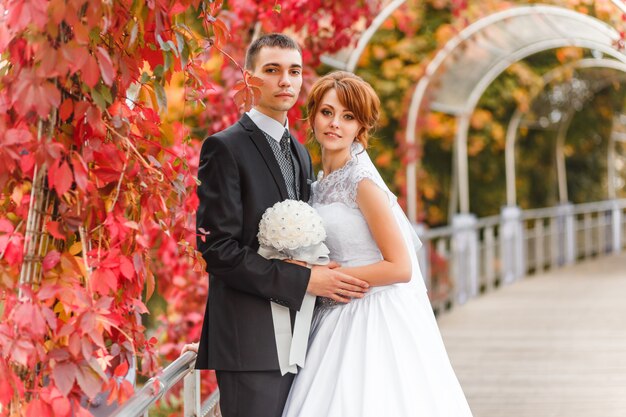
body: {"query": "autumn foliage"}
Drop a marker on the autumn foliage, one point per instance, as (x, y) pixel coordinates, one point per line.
(97, 179)
(397, 57)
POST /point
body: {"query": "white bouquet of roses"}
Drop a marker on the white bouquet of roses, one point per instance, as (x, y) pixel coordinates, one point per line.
(292, 229)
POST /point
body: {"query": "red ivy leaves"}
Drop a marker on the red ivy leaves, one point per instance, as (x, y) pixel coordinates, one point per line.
(60, 177)
(25, 12)
(120, 217)
(106, 66)
(32, 92)
(248, 91)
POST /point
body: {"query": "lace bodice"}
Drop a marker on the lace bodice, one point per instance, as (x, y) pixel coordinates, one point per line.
(347, 234)
(340, 186)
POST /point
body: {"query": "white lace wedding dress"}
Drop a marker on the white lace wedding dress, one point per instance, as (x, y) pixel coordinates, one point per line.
(381, 355)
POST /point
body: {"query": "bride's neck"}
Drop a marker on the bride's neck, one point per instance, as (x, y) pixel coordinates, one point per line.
(332, 161)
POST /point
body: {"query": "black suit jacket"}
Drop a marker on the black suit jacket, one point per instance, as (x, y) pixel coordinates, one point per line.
(240, 179)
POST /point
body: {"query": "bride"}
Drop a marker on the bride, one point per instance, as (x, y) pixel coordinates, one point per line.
(381, 355)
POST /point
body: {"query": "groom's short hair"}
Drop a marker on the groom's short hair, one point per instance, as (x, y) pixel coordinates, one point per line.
(271, 40)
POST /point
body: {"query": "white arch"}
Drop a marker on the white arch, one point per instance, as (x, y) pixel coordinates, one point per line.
(348, 58)
(516, 119)
(535, 29)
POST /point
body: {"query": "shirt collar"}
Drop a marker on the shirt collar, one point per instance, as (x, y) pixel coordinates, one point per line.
(270, 126)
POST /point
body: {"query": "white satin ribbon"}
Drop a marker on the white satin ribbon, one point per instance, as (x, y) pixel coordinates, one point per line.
(292, 349)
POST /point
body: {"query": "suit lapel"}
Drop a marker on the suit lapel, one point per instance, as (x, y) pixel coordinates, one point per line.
(303, 161)
(260, 142)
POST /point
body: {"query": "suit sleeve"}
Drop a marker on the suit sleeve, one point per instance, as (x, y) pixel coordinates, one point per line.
(220, 214)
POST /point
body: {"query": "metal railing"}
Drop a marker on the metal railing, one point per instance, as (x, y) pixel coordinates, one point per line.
(460, 261)
(183, 367)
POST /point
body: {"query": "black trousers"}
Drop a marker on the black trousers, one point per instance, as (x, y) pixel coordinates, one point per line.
(253, 393)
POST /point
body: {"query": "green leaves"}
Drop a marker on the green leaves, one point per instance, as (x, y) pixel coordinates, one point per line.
(102, 96)
(161, 97)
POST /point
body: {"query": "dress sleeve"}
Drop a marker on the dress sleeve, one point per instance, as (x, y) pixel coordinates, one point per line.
(361, 173)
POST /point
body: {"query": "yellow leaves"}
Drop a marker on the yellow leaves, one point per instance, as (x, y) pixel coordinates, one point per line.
(150, 284)
(435, 215)
(569, 54)
(499, 135)
(18, 194)
(475, 145)
(480, 119)
(378, 52)
(439, 4)
(175, 94)
(8, 278)
(76, 248)
(429, 192)
(521, 97)
(605, 9)
(444, 33)
(441, 126)
(392, 67)
(384, 159)
(414, 72)
(62, 312)
(525, 74)
(406, 48)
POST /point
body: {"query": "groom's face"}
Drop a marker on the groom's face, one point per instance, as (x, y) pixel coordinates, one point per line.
(281, 72)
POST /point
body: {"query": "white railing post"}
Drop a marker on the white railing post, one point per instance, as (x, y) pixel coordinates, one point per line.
(588, 234)
(422, 254)
(616, 227)
(442, 248)
(554, 242)
(566, 212)
(489, 257)
(540, 262)
(601, 230)
(191, 394)
(512, 244)
(465, 255)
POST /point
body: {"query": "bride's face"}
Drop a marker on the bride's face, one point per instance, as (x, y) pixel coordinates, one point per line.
(335, 126)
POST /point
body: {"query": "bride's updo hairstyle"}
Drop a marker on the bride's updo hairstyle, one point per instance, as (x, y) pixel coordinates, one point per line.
(354, 94)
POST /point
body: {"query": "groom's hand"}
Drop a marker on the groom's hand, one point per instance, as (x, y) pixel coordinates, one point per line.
(330, 283)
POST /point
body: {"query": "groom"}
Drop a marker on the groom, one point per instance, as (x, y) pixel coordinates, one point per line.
(244, 170)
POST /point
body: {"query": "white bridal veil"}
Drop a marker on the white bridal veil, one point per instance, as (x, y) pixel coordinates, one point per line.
(412, 242)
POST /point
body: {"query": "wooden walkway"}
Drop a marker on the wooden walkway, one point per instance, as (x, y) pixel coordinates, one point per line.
(552, 345)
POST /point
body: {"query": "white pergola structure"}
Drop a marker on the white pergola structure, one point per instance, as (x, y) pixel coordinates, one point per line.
(563, 92)
(571, 86)
(462, 70)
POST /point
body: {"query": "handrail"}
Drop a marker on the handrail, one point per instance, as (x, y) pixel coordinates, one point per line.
(155, 387)
(460, 261)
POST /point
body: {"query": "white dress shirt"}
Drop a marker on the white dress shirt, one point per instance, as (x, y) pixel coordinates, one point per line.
(268, 125)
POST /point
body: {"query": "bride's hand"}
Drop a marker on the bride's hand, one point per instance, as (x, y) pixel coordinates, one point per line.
(190, 347)
(328, 281)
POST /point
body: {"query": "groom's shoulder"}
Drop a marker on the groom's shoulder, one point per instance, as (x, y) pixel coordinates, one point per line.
(232, 132)
(228, 140)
